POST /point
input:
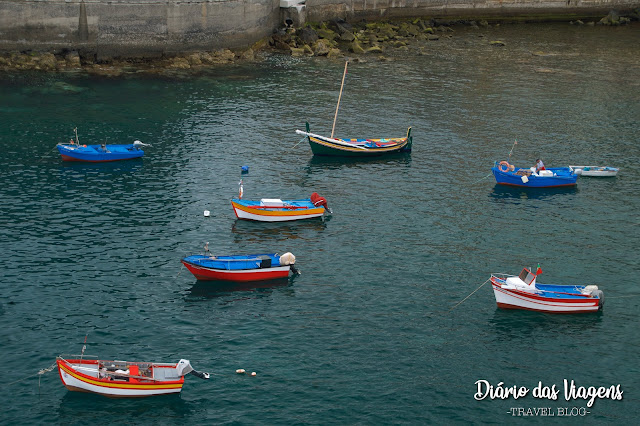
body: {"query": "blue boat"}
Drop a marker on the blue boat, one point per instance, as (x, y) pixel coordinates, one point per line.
(74, 151)
(507, 174)
(237, 268)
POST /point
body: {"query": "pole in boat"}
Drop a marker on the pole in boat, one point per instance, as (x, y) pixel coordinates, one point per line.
(84, 346)
(339, 97)
(78, 143)
(512, 146)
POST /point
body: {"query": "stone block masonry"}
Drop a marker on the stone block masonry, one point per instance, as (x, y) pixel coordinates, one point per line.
(105, 29)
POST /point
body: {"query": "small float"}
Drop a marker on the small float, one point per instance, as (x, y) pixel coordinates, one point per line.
(595, 171)
(74, 151)
(523, 292)
(123, 379)
(240, 268)
(508, 174)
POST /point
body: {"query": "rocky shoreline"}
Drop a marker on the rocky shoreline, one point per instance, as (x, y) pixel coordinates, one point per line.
(332, 39)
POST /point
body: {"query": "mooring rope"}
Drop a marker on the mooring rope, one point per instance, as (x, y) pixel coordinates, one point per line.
(301, 140)
(469, 295)
(490, 174)
(39, 373)
(46, 155)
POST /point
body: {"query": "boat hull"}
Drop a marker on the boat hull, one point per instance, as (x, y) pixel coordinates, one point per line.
(510, 178)
(323, 147)
(98, 154)
(595, 171)
(76, 381)
(515, 299)
(203, 273)
(251, 210)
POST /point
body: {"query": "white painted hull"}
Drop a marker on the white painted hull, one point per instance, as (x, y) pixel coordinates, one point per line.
(510, 299)
(595, 171)
(241, 214)
(74, 384)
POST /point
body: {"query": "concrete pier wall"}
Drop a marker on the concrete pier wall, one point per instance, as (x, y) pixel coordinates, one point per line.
(152, 28)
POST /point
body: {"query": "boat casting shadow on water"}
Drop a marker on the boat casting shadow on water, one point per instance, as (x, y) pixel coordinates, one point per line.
(514, 192)
(215, 289)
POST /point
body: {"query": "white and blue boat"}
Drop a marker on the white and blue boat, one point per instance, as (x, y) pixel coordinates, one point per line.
(507, 174)
(523, 292)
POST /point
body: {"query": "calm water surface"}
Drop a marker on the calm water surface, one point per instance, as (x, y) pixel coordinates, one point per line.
(367, 333)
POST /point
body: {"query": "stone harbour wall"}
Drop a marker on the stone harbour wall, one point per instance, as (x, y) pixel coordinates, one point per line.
(106, 29)
(134, 28)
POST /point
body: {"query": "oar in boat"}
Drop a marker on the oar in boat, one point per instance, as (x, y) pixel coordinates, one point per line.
(332, 140)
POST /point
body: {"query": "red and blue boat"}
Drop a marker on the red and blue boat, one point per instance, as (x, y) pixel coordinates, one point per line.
(523, 292)
(74, 151)
(240, 268)
(508, 174)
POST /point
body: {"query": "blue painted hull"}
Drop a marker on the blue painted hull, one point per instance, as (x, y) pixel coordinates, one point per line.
(229, 263)
(563, 176)
(98, 153)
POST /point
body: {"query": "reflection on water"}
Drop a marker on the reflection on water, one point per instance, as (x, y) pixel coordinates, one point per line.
(213, 289)
(81, 168)
(517, 324)
(244, 230)
(515, 194)
(73, 408)
(323, 163)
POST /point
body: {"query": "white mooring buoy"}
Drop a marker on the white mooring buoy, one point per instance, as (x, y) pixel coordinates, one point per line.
(240, 371)
(207, 213)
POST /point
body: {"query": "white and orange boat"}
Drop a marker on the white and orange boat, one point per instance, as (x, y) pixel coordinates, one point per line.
(522, 292)
(277, 210)
(124, 379)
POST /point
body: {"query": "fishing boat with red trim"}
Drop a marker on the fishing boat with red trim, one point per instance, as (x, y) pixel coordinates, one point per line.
(508, 174)
(74, 151)
(523, 292)
(123, 379)
(240, 268)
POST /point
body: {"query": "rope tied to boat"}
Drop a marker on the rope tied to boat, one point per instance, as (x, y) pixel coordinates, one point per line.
(301, 140)
(39, 373)
(469, 295)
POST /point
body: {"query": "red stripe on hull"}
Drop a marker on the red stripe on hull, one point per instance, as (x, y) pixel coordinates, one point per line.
(536, 187)
(204, 274)
(508, 306)
(67, 158)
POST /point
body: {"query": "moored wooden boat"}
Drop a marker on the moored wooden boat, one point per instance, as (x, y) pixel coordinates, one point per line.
(240, 268)
(329, 146)
(74, 151)
(277, 210)
(507, 174)
(522, 292)
(595, 171)
(123, 379)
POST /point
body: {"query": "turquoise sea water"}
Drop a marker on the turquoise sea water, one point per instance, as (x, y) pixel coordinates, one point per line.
(371, 332)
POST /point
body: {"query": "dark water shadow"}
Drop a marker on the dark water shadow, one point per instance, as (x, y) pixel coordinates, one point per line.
(214, 289)
(125, 166)
(86, 408)
(517, 324)
(247, 230)
(514, 193)
(324, 162)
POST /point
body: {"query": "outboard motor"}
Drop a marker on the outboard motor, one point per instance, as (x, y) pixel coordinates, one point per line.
(317, 200)
(184, 367)
(137, 144)
(289, 259)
